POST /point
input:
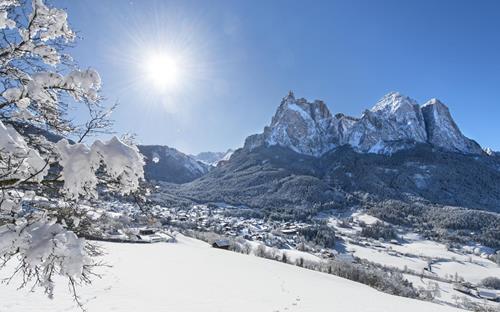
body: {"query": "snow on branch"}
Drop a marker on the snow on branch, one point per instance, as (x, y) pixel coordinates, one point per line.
(38, 83)
(42, 89)
(123, 163)
(17, 160)
(44, 248)
(49, 23)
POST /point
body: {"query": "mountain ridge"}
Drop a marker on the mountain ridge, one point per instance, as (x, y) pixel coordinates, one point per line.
(394, 122)
(278, 177)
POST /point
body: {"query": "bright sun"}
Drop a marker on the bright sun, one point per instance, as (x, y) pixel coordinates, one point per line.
(163, 71)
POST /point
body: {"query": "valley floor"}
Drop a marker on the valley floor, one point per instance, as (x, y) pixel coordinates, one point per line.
(191, 276)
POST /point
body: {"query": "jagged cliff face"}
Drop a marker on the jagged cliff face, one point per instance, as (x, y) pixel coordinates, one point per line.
(396, 122)
(302, 126)
(444, 132)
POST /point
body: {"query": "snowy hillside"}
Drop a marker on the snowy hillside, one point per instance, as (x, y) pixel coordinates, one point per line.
(191, 276)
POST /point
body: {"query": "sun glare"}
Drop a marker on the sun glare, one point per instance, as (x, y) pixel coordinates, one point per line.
(163, 71)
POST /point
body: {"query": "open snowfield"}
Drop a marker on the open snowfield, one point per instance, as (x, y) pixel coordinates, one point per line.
(191, 276)
(382, 257)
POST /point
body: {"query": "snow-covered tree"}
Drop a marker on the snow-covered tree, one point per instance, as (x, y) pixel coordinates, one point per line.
(43, 151)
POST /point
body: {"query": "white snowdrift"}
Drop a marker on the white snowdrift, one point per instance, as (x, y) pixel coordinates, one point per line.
(191, 276)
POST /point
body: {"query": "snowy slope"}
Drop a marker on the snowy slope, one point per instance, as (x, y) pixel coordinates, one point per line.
(191, 276)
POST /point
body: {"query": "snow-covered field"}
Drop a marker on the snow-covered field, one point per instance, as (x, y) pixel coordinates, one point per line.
(413, 256)
(191, 276)
(414, 253)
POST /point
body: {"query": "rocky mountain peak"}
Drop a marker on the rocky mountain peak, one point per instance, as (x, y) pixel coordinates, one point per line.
(394, 102)
(443, 131)
(305, 127)
(395, 122)
(290, 96)
(394, 119)
(317, 110)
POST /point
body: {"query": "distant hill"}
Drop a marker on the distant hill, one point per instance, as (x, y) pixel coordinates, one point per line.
(167, 164)
(213, 158)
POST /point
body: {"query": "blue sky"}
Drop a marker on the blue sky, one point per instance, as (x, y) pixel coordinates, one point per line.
(239, 58)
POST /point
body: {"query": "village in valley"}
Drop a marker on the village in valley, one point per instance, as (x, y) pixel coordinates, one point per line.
(431, 266)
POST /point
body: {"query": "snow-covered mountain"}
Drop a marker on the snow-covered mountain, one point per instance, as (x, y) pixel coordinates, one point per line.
(213, 158)
(395, 122)
(306, 128)
(395, 119)
(167, 164)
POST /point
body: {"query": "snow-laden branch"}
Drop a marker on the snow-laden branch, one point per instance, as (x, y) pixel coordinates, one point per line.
(15, 153)
(45, 248)
(38, 83)
(41, 90)
(123, 163)
(43, 25)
